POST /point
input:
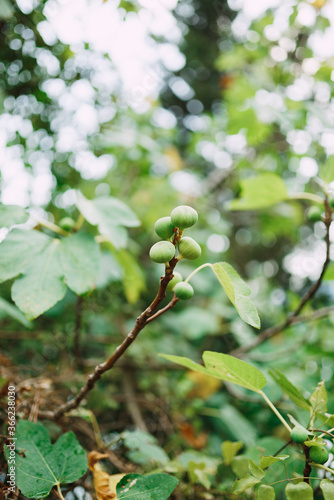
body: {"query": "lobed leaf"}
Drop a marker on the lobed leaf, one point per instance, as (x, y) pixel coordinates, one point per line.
(41, 465)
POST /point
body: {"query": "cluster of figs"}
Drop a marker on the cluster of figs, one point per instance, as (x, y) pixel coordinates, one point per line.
(318, 453)
(170, 229)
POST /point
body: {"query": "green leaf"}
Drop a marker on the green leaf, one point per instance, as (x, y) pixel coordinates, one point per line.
(243, 484)
(224, 367)
(329, 274)
(239, 466)
(327, 170)
(41, 286)
(12, 214)
(7, 309)
(327, 488)
(230, 450)
(44, 465)
(267, 461)
(237, 291)
(6, 9)
(80, 260)
(234, 370)
(18, 250)
(300, 491)
(255, 469)
(319, 399)
(290, 389)
(197, 474)
(144, 448)
(315, 442)
(151, 487)
(265, 492)
(111, 215)
(259, 192)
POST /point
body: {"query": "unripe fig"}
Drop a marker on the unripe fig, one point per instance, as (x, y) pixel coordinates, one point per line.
(299, 434)
(164, 228)
(314, 214)
(176, 279)
(163, 251)
(189, 248)
(183, 290)
(184, 216)
(66, 223)
(319, 454)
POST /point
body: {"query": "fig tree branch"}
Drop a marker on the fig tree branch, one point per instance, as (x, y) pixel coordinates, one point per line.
(142, 320)
(293, 317)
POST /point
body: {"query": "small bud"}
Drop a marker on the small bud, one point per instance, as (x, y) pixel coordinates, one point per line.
(314, 214)
(66, 223)
(184, 216)
(183, 290)
(176, 279)
(319, 454)
(299, 434)
(164, 228)
(163, 251)
(189, 248)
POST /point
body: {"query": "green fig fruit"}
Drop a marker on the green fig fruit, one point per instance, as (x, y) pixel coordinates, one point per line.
(319, 454)
(176, 279)
(299, 434)
(163, 251)
(314, 214)
(183, 290)
(164, 228)
(66, 223)
(189, 248)
(184, 216)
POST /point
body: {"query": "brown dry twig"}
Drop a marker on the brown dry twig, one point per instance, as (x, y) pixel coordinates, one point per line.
(149, 313)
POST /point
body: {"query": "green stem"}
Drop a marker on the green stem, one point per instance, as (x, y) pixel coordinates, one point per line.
(196, 271)
(313, 464)
(293, 479)
(274, 409)
(52, 227)
(79, 223)
(59, 492)
(306, 196)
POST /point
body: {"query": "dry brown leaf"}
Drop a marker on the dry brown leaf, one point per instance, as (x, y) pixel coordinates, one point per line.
(188, 433)
(100, 477)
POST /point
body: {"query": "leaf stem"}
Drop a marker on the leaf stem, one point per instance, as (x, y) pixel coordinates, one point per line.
(79, 223)
(274, 409)
(59, 492)
(313, 464)
(196, 271)
(306, 196)
(52, 227)
(293, 479)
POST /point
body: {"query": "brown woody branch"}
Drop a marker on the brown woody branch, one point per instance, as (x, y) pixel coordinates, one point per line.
(150, 313)
(293, 317)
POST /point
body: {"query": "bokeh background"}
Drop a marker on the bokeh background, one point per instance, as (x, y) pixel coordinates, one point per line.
(160, 103)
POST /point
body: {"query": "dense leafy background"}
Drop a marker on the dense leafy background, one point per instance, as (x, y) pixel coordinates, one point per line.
(247, 94)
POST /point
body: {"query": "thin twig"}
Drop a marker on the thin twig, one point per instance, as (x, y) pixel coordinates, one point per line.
(100, 369)
(292, 318)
